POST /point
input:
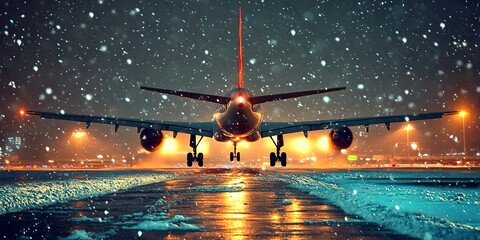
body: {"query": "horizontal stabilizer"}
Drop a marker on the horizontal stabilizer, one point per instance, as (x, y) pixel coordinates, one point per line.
(276, 97)
(198, 96)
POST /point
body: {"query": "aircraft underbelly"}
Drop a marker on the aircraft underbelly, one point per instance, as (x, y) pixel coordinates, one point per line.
(239, 122)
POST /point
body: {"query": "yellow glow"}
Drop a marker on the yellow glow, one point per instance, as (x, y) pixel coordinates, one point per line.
(408, 127)
(79, 134)
(204, 146)
(301, 145)
(323, 143)
(236, 208)
(22, 112)
(296, 214)
(169, 146)
(275, 218)
(463, 113)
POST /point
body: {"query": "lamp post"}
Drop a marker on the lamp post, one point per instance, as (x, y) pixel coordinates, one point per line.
(408, 128)
(78, 136)
(463, 114)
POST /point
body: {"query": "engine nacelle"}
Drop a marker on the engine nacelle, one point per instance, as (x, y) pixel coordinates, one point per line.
(341, 138)
(151, 139)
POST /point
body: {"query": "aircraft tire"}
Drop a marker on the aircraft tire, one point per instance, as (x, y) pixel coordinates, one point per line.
(200, 159)
(283, 159)
(273, 159)
(189, 159)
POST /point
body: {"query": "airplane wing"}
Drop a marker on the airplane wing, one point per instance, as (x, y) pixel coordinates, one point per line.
(197, 128)
(268, 129)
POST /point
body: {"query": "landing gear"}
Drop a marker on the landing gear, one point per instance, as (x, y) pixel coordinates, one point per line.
(235, 154)
(274, 158)
(193, 157)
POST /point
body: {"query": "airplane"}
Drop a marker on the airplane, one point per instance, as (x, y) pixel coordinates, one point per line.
(240, 118)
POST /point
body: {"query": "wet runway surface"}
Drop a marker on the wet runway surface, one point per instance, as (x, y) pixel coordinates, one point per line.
(201, 204)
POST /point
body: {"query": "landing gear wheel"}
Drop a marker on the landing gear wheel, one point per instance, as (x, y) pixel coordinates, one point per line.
(231, 156)
(273, 159)
(238, 157)
(192, 157)
(283, 159)
(200, 159)
(189, 159)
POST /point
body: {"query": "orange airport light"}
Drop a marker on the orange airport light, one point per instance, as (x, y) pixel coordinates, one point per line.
(408, 127)
(79, 134)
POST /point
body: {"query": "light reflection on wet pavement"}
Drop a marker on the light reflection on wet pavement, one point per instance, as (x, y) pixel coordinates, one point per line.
(225, 204)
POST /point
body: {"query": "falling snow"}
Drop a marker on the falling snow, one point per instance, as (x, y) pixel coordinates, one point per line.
(392, 57)
(88, 97)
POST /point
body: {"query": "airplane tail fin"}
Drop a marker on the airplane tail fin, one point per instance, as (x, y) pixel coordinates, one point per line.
(240, 51)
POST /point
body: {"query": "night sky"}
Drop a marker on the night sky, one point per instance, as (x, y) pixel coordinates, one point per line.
(90, 57)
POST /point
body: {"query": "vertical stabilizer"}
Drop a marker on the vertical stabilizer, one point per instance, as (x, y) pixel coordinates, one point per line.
(240, 52)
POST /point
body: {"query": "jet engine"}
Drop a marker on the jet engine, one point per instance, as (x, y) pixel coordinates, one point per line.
(341, 138)
(151, 139)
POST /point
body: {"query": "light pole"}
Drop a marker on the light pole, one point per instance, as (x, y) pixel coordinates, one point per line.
(408, 128)
(78, 136)
(463, 114)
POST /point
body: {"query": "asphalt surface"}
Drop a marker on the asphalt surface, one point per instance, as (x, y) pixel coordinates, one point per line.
(223, 204)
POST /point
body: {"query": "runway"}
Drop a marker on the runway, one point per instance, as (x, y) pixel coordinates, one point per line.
(197, 204)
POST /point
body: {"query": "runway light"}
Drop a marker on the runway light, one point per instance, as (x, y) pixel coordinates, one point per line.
(414, 145)
(352, 158)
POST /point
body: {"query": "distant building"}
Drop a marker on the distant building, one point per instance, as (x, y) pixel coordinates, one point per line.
(10, 153)
(13, 144)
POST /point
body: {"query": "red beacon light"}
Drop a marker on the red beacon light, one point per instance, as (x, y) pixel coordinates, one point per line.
(240, 99)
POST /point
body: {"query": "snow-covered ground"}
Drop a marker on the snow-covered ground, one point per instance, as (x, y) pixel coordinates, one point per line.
(429, 204)
(22, 196)
(426, 205)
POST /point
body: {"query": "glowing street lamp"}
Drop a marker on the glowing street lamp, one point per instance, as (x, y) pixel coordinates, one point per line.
(78, 135)
(463, 114)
